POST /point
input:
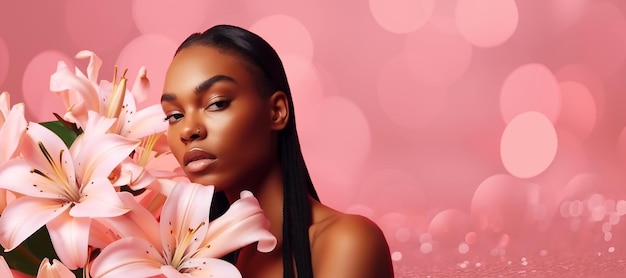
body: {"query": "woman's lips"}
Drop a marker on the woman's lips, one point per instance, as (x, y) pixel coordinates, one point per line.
(197, 160)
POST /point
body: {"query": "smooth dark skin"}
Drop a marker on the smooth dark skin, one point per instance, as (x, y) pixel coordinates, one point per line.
(238, 125)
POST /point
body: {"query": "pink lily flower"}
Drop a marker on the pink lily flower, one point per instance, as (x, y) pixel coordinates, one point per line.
(12, 128)
(82, 93)
(189, 246)
(46, 270)
(63, 188)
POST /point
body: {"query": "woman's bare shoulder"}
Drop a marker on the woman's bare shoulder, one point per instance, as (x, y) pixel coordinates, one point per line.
(346, 245)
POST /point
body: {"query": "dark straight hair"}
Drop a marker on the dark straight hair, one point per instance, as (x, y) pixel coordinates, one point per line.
(297, 184)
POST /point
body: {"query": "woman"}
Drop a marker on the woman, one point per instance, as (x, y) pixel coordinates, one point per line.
(232, 125)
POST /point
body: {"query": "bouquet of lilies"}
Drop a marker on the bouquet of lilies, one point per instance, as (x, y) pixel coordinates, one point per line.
(91, 195)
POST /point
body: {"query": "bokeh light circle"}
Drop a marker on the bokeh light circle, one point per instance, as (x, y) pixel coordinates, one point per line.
(340, 128)
(407, 103)
(401, 16)
(530, 87)
(403, 234)
(580, 187)
(590, 79)
(500, 204)
(79, 16)
(620, 207)
(396, 256)
(426, 248)
(449, 227)
(390, 223)
(528, 146)
(155, 52)
(463, 248)
(171, 18)
(567, 12)
(4, 61)
(40, 103)
(471, 238)
(425, 237)
(486, 23)
(578, 109)
(437, 55)
(286, 34)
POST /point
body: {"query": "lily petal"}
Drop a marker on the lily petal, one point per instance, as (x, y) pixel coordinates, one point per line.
(100, 234)
(124, 116)
(15, 228)
(39, 137)
(55, 269)
(163, 186)
(170, 272)
(133, 175)
(65, 80)
(3, 200)
(242, 224)
(186, 209)
(12, 131)
(5, 104)
(16, 176)
(5, 271)
(210, 267)
(146, 121)
(99, 155)
(141, 86)
(94, 64)
(97, 124)
(70, 236)
(128, 257)
(94, 125)
(138, 222)
(98, 199)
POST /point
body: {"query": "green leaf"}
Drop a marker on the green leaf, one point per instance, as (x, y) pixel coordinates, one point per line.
(68, 135)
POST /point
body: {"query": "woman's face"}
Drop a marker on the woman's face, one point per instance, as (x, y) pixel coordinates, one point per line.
(220, 125)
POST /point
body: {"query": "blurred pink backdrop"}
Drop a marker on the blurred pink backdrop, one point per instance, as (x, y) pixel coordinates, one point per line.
(485, 137)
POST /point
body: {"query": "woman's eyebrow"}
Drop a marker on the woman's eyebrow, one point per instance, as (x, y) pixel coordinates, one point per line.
(207, 84)
(168, 97)
(201, 88)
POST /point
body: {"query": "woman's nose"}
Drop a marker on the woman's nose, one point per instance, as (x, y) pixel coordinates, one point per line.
(193, 132)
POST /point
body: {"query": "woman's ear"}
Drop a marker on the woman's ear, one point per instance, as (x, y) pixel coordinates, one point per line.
(279, 108)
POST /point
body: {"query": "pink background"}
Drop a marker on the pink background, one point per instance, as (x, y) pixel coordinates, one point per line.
(483, 136)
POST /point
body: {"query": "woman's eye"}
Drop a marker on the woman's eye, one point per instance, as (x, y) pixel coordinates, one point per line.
(174, 117)
(219, 105)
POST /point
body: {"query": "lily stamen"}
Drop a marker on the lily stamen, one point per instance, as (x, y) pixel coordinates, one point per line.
(182, 246)
(148, 145)
(58, 171)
